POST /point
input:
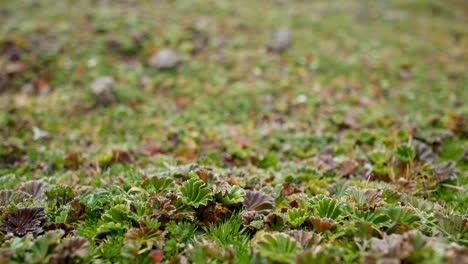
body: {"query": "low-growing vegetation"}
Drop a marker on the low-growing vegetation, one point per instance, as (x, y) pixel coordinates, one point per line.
(233, 131)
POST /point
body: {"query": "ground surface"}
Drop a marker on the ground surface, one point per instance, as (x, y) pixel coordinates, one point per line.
(351, 146)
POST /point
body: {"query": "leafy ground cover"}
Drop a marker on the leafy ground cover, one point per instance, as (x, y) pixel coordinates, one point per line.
(350, 146)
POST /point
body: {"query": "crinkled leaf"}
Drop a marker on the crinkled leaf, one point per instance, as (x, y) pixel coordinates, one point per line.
(329, 208)
(296, 217)
(405, 153)
(235, 196)
(195, 193)
(257, 201)
(278, 248)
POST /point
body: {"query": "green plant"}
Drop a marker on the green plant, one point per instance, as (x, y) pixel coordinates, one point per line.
(180, 234)
(405, 153)
(296, 217)
(367, 199)
(329, 208)
(231, 233)
(278, 248)
(234, 196)
(400, 217)
(110, 248)
(145, 238)
(60, 195)
(454, 226)
(346, 145)
(195, 193)
(314, 256)
(118, 214)
(157, 184)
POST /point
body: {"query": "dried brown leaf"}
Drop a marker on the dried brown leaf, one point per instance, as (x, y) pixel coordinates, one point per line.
(257, 201)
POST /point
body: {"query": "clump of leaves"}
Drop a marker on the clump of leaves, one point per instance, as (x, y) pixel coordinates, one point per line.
(278, 247)
(180, 234)
(143, 239)
(60, 195)
(35, 188)
(305, 239)
(195, 193)
(234, 196)
(232, 233)
(212, 213)
(366, 199)
(110, 248)
(421, 204)
(118, 214)
(104, 230)
(405, 153)
(158, 206)
(70, 251)
(157, 184)
(379, 159)
(397, 247)
(25, 221)
(8, 197)
(369, 222)
(204, 174)
(204, 251)
(274, 221)
(77, 210)
(30, 249)
(327, 207)
(401, 218)
(117, 156)
(257, 206)
(68, 230)
(257, 201)
(296, 217)
(315, 256)
(340, 189)
(320, 224)
(454, 226)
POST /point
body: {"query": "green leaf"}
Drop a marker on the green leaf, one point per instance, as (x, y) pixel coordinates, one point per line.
(296, 217)
(373, 218)
(278, 248)
(405, 153)
(329, 208)
(109, 228)
(44, 243)
(157, 183)
(60, 195)
(379, 157)
(400, 216)
(110, 249)
(8, 181)
(234, 196)
(269, 160)
(310, 256)
(195, 193)
(118, 214)
(231, 233)
(366, 199)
